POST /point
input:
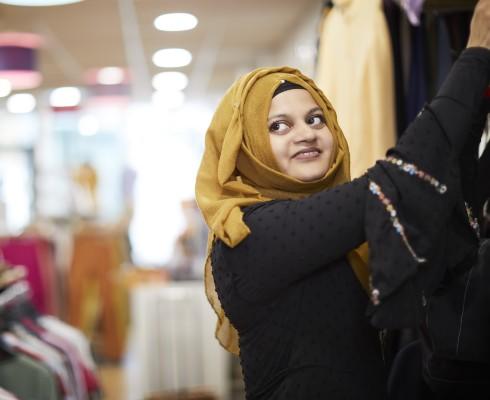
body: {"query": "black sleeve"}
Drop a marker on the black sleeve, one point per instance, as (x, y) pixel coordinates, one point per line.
(293, 238)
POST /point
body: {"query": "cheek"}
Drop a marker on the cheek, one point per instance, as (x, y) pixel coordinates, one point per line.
(279, 150)
(328, 139)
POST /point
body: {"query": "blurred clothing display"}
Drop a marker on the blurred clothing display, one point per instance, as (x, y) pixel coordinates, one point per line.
(16, 371)
(171, 346)
(412, 8)
(85, 190)
(36, 360)
(36, 254)
(96, 296)
(190, 247)
(355, 70)
(424, 52)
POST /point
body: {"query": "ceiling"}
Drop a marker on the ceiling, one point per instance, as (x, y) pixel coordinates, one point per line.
(232, 35)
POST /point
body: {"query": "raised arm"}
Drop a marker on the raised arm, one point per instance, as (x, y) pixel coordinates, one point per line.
(292, 239)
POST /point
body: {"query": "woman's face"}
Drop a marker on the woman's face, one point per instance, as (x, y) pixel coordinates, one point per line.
(300, 139)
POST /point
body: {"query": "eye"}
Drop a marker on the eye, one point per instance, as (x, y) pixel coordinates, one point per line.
(316, 120)
(278, 127)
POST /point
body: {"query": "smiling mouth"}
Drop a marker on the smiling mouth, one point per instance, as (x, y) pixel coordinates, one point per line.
(307, 154)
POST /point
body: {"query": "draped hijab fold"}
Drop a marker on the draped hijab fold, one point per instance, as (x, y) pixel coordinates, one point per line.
(238, 169)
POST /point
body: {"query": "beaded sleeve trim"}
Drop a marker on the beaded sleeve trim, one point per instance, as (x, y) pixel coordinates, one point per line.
(376, 190)
(472, 220)
(411, 169)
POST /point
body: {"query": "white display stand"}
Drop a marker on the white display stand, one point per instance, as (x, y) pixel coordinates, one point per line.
(171, 345)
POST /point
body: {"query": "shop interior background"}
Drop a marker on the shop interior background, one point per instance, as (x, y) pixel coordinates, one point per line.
(104, 106)
(98, 155)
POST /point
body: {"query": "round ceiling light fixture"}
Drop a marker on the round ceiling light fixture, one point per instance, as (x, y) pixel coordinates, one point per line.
(21, 103)
(172, 58)
(170, 80)
(38, 3)
(175, 22)
(65, 97)
(111, 76)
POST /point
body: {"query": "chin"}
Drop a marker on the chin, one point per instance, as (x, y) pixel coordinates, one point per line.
(311, 171)
(310, 177)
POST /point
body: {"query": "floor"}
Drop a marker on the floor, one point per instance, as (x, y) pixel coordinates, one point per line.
(112, 380)
(114, 388)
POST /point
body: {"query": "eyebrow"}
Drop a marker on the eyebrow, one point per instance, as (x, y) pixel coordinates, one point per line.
(314, 109)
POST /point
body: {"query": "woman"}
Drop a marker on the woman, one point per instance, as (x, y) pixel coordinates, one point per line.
(287, 272)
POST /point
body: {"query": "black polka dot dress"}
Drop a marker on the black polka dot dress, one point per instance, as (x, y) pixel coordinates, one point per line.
(308, 330)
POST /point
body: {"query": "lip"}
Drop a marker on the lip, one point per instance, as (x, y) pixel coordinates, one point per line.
(307, 150)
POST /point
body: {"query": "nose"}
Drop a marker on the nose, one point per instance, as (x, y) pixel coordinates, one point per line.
(305, 133)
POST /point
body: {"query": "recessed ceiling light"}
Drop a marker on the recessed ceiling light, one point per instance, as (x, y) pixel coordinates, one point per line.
(21, 103)
(172, 58)
(65, 97)
(174, 22)
(5, 87)
(171, 80)
(110, 76)
(38, 3)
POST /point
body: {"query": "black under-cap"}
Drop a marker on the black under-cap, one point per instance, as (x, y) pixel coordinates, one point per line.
(285, 85)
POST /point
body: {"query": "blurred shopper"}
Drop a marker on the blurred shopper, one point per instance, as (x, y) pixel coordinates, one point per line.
(287, 271)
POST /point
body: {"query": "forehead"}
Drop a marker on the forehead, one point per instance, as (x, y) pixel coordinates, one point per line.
(290, 101)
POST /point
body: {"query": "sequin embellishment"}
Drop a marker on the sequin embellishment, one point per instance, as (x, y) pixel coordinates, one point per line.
(376, 190)
(411, 169)
(472, 220)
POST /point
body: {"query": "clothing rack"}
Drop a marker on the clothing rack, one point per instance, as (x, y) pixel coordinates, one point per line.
(51, 359)
(449, 5)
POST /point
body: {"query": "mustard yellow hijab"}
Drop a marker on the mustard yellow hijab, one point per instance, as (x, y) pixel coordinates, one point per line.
(238, 169)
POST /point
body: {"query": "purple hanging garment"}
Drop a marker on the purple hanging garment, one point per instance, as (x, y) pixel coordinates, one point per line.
(413, 9)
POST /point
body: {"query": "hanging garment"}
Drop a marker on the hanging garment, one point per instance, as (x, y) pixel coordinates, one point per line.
(355, 70)
(444, 56)
(57, 368)
(4, 395)
(55, 359)
(28, 379)
(68, 351)
(73, 335)
(36, 255)
(413, 9)
(393, 16)
(417, 80)
(79, 348)
(97, 302)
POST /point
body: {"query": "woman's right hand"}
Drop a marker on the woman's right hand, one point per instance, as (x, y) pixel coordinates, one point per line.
(480, 26)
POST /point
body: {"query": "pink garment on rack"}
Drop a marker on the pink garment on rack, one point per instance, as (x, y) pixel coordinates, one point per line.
(36, 255)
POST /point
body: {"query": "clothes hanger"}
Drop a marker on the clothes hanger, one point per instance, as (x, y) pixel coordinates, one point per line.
(11, 274)
(13, 293)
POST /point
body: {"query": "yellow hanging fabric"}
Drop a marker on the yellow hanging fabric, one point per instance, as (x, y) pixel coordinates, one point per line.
(355, 68)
